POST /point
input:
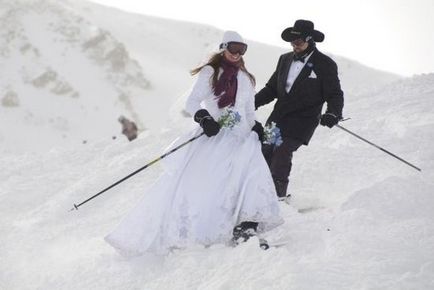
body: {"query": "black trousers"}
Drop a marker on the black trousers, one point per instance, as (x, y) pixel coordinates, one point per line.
(279, 159)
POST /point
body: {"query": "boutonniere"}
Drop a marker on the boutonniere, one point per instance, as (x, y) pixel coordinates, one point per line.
(309, 64)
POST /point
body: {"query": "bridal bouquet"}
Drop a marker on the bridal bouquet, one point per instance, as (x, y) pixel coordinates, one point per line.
(229, 118)
(272, 135)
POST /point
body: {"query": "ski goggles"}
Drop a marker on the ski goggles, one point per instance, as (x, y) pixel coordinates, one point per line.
(236, 47)
(298, 42)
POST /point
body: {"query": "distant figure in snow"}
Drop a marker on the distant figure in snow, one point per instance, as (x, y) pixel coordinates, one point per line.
(303, 81)
(217, 189)
(129, 128)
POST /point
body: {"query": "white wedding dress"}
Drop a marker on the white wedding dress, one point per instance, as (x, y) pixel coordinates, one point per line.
(208, 187)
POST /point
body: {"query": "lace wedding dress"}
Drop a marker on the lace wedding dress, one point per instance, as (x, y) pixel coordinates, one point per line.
(208, 187)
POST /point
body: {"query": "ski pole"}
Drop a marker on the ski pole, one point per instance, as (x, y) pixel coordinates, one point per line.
(378, 147)
(76, 206)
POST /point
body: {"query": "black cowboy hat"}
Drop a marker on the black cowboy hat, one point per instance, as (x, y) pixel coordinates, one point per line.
(301, 30)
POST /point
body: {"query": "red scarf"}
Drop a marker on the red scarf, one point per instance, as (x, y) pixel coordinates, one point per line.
(227, 84)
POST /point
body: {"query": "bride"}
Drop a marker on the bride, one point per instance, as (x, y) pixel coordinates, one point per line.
(218, 188)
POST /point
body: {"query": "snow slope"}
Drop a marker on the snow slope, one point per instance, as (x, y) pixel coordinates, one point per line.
(366, 221)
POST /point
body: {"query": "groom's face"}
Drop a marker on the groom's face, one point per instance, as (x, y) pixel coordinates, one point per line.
(299, 45)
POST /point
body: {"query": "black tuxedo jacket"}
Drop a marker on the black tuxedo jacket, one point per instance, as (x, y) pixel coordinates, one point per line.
(297, 113)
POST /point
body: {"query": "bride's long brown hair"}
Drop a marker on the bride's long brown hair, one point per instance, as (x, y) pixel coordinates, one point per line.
(215, 62)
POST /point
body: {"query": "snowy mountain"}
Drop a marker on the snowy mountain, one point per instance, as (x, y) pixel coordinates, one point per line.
(359, 218)
(62, 77)
(69, 69)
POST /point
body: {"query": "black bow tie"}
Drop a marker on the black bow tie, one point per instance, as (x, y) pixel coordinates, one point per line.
(299, 58)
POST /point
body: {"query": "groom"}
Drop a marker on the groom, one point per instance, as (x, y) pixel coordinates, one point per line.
(304, 80)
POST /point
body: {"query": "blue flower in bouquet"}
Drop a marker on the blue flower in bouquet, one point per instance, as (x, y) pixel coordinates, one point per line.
(272, 135)
(229, 118)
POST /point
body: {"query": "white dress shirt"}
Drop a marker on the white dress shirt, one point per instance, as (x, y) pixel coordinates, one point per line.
(294, 71)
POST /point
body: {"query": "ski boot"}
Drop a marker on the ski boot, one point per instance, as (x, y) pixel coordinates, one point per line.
(243, 232)
(285, 199)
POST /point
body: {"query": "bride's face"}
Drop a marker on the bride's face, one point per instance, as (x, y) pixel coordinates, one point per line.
(231, 57)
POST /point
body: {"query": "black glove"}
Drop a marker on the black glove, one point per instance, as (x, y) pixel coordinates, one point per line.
(329, 120)
(209, 125)
(259, 129)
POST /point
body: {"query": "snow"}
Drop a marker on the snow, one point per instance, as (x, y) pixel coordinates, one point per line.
(358, 219)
